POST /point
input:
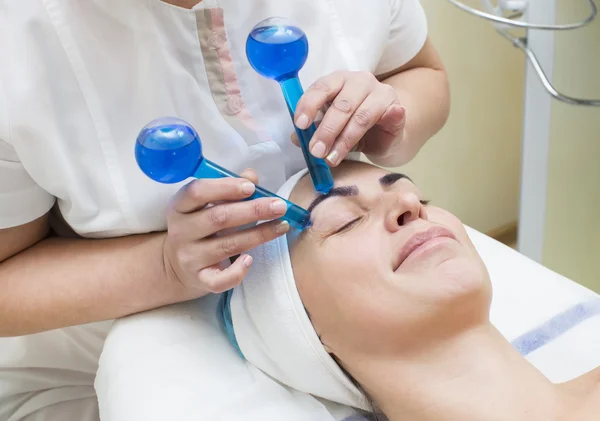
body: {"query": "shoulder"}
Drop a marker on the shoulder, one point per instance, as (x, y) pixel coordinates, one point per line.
(382, 15)
(363, 11)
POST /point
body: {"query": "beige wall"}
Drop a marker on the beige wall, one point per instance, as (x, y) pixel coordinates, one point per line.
(472, 166)
(572, 233)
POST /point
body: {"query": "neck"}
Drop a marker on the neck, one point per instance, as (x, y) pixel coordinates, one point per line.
(477, 376)
(186, 4)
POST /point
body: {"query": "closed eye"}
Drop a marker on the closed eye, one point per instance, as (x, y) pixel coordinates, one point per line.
(348, 225)
(354, 221)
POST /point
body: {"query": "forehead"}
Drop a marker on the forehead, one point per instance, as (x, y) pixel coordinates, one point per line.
(347, 173)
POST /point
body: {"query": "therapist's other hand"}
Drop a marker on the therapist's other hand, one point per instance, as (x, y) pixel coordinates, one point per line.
(201, 222)
(363, 115)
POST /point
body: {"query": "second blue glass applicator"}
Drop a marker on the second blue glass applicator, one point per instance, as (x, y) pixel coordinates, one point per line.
(277, 50)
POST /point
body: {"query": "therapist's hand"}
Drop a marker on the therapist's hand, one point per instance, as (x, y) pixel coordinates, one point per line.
(363, 115)
(201, 235)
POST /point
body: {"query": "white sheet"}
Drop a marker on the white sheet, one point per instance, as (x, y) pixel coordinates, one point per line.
(49, 376)
(527, 296)
(174, 363)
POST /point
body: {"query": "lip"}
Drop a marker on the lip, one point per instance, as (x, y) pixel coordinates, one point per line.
(418, 240)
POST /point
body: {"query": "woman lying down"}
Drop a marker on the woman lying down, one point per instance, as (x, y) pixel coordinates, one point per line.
(384, 303)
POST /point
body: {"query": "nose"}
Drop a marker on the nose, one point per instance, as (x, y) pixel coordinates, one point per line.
(403, 209)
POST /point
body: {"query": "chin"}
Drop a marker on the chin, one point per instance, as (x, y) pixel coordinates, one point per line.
(463, 279)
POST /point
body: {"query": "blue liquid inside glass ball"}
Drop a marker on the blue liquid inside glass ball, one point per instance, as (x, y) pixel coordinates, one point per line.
(168, 150)
(277, 49)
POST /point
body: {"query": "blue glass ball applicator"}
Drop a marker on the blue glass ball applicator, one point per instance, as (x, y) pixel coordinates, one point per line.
(277, 50)
(168, 150)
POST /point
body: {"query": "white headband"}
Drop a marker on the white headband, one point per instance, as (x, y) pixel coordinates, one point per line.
(275, 334)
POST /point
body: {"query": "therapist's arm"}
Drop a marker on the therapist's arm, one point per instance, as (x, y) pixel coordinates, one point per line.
(47, 282)
(422, 89)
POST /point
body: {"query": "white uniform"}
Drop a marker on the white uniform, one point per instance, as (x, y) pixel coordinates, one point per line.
(79, 79)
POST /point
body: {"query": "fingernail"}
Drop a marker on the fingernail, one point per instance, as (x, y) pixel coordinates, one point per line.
(278, 207)
(247, 187)
(319, 149)
(333, 157)
(247, 261)
(302, 122)
(282, 227)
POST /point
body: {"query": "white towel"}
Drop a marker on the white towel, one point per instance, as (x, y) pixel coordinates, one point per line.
(274, 332)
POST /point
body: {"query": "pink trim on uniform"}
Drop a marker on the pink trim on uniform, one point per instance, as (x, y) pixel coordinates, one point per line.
(235, 102)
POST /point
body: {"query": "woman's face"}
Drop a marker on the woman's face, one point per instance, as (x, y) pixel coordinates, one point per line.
(379, 272)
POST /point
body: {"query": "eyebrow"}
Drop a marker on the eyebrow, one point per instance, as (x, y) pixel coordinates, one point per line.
(346, 191)
(389, 179)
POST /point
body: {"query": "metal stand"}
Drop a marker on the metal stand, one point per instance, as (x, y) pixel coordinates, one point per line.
(503, 26)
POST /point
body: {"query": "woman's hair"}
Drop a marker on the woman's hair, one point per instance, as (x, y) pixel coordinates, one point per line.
(374, 413)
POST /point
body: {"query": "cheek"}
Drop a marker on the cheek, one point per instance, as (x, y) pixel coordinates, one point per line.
(338, 275)
(470, 271)
(341, 290)
(448, 220)
(443, 217)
